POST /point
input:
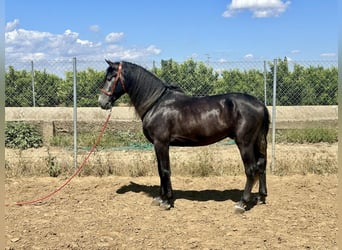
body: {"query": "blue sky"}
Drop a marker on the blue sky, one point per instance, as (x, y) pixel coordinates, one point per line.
(137, 30)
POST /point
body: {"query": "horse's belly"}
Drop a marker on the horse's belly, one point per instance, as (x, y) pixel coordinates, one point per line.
(197, 140)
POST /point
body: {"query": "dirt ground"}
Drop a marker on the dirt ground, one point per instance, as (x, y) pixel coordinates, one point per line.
(116, 213)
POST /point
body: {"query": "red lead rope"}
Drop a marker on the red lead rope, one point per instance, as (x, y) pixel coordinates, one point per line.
(21, 203)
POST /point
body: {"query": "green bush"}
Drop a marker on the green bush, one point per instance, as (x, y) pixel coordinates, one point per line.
(22, 135)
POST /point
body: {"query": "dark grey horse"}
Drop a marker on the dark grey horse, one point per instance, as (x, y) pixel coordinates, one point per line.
(172, 118)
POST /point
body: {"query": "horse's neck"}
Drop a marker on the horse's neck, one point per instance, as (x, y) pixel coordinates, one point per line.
(146, 91)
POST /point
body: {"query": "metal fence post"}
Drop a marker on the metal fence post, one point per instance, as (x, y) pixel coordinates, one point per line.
(274, 113)
(33, 92)
(265, 82)
(75, 110)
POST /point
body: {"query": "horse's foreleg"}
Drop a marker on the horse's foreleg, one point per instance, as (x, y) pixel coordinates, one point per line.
(248, 158)
(166, 194)
(242, 205)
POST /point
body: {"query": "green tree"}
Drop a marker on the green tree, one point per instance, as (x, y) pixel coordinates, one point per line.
(18, 89)
(314, 85)
(330, 86)
(46, 89)
(320, 85)
(65, 90)
(283, 79)
(295, 88)
(195, 78)
(249, 81)
(169, 71)
(296, 84)
(89, 83)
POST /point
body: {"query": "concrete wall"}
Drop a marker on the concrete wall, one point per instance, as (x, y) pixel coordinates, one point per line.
(306, 116)
(65, 114)
(59, 120)
(54, 121)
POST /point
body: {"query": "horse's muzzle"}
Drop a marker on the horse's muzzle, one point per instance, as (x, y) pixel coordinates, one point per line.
(104, 102)
(106, 106)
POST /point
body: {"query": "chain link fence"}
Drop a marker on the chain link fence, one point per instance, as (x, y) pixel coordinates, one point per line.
(50, 83)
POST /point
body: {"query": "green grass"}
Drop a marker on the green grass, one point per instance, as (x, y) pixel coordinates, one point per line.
(108, 140)
(136, 139)
(204, 163)
(308, 135)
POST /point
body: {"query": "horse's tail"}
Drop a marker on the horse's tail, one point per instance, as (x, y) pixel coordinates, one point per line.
(266, 123)
(262, 137)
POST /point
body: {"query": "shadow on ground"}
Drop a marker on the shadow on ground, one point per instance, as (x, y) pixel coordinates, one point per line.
(202, 195)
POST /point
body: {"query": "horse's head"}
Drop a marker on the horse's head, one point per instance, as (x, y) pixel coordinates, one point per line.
(113, 85)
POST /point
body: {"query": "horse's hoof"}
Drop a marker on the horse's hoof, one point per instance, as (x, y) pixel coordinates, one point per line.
(261, 200)
(165, 205)
(238, 209)
(157, 201)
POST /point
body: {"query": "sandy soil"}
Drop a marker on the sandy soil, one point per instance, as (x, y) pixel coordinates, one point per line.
(115, 213)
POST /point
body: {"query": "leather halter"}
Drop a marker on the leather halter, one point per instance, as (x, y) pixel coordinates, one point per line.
(116, 80)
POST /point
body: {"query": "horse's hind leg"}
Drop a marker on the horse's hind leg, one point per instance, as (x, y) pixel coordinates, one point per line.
(261, 152)
(261, 164)
(261, 199)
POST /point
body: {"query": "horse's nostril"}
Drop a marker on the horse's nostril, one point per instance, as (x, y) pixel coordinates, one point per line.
(106, 106)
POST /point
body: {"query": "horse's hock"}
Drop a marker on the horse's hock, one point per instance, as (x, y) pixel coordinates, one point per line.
(54, 121)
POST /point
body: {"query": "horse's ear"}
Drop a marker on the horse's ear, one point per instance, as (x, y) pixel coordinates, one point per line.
(110, 63)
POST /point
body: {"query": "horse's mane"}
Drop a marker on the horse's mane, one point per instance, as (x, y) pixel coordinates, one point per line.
(174, 87)
(147, 87)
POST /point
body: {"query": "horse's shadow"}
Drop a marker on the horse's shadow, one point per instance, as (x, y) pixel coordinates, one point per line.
(202, 195)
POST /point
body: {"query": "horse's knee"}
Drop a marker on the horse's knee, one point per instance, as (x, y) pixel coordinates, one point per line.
(252, 171)
(261, 161)
(165, 173)
(261, 165)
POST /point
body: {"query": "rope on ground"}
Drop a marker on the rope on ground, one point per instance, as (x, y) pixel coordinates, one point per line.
(78, 170)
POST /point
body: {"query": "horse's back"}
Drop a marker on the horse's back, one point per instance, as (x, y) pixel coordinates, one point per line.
(196, 121)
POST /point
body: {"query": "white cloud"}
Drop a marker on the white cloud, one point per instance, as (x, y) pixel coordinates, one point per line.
(153, 49)
(114, 37)
(295, 51)
(21, 44)
(328, 54)
(94, 28)
(12, 25)
(19, 41)
(249, 56)
(33, 56)
(131, 53)
(259, 8)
